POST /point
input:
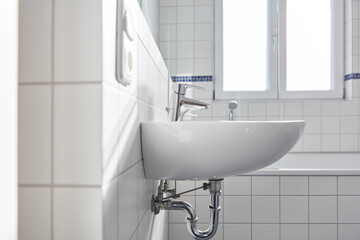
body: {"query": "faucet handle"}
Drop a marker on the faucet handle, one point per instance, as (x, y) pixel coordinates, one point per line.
(183, 88)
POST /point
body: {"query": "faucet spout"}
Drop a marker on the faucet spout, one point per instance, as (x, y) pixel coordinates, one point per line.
(190, 101)
(182, 100)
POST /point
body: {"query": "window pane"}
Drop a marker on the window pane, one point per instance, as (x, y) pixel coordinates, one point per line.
(308, 39)
(245, 45)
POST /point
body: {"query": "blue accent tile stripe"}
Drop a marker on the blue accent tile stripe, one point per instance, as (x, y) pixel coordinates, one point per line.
(208, 78)
(352, 76)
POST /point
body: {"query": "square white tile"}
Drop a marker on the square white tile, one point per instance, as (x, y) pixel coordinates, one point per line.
(167, 15)
(203, 2)
(323, 209)
(34, 213)
(203, 49)
(330, 108)
(237, 231)
(312, 142)
(297, 185)
(110, 130)
(203, 31)
(237, 209)
(77, 134)
(110, 208)
(257, 109)
(293, 109)
(349, 142)
(350, 108)
(349, 185)
(203, 66)
(312, 108)
(168, 32)
(203, 14)
(185, 14)
(185, 67)
(165, 3)
(313, 124)
(35, 134)
(330, 124)
(77, 213)
(349, 124)
(143, 82)
(319, 185)
(265, 185)
(168, 49)
(294, 209)
(77, 60)
(330, 142)
(127, 203)
(294, 232)
(272, 109)
(349, 231)
(35, 43)
(179, 232)
(322, 231)
(237, 185)
(185, 49)
(265, 209)
(185, 32)
(349, 209)
(265, 231)
(145, 189)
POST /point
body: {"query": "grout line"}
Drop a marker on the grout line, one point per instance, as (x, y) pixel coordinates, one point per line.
(280, 208)
(52, 82)
(337, 207)
(59, 186)
(251, 207)
(52, 235)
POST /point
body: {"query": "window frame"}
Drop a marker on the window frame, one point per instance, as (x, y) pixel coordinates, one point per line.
(277, 85)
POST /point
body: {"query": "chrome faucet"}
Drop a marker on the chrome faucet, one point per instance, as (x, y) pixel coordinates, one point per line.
(181, 99)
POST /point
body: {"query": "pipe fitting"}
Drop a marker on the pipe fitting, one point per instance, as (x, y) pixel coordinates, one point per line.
(214, 187)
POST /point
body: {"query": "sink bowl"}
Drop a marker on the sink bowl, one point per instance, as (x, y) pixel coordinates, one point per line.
(210, 150)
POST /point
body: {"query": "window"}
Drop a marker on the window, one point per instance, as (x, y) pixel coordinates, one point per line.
(279, 49)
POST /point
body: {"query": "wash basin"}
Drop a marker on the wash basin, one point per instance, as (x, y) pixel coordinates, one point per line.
(210, 150)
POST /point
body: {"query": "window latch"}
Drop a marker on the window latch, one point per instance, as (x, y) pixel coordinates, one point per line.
(274, 38)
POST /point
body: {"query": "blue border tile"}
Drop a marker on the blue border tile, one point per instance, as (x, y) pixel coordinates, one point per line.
(208, 78)
(352, 76)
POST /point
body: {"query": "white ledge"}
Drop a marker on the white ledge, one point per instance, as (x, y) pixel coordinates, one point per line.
(322, 164)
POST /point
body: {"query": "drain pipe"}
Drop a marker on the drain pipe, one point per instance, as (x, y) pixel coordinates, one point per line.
(214, 187)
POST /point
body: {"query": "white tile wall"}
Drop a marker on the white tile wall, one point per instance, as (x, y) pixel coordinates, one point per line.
(77, 213)
(35, 43)
(35, 213)
(35, 134)
(285, 207)
(188, 25)
(294, 209)
(77, 134)
(76, 58)
(332, 125)
(81, 174)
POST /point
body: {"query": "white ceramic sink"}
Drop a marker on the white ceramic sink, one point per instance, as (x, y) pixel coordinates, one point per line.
(206, 150)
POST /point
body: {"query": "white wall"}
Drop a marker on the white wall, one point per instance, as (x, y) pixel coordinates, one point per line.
(8, 126)
(126, 192)
(81, 174)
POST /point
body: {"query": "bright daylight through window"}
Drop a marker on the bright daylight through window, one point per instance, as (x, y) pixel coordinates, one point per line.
(279, 49)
